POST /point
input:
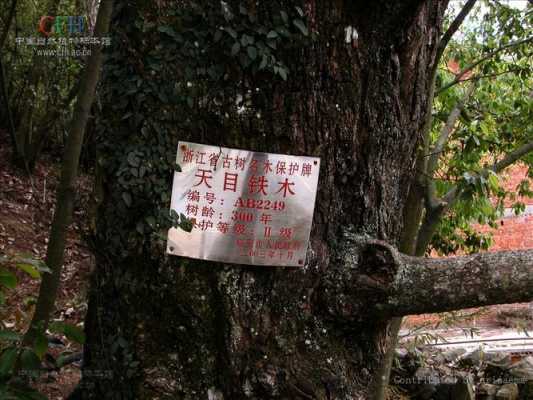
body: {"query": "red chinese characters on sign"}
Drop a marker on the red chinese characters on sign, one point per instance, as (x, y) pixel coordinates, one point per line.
(245, 207)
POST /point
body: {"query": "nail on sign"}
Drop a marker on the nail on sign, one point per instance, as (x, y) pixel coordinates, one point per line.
(245, 207)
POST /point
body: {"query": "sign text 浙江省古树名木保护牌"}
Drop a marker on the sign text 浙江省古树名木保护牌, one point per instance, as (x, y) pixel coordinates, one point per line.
(245, 207)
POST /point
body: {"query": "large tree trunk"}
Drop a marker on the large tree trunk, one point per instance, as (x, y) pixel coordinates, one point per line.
(195, 329)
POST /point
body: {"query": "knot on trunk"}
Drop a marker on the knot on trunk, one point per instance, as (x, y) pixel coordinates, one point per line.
(360, 279)
(378, 263)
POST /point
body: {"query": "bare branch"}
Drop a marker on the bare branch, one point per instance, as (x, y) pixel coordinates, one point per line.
(425, 285)
(433, 73)
(446, 131)
(488, 56)
(512, 157)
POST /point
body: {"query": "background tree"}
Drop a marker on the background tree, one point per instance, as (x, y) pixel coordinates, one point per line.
(66, 191)
(478, 128)
(39, 86)
(23, 358)
(280, 77)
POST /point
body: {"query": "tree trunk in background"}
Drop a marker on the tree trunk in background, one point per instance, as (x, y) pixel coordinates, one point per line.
(26, 141)
(196, 329)
(66, 194)
(7, 23)
(4, 96)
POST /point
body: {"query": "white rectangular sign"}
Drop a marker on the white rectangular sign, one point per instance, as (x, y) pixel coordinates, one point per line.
(246, 207)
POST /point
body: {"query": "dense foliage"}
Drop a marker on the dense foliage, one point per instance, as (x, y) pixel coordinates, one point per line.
(490, 58)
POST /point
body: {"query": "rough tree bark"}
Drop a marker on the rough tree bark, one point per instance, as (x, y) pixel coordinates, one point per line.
(189, 329)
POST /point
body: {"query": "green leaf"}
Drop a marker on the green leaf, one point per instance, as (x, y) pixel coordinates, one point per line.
(272, 35)
(493, 181)
(30, 362)
(8, 279)
(56, 327)
(37, 264)
(133, 160)
(231, 32)
(41, 345)
(60, 360)
(235, 48)
(284, 16)
(283, 73)
(245, 40)
(127, 198)
(150, 221)
(30, 270)
(252, 52)
(7, 360)
(301, 26)
(170, 32)
(185, 223)
(10, 336)
(264, 62)
(74, 333)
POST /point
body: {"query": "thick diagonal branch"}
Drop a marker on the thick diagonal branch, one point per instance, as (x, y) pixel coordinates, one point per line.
(430, 191)
(447, 130)
(454, 26)
(424, 285)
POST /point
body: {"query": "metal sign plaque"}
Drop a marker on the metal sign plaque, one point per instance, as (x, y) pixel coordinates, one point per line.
(246, 207)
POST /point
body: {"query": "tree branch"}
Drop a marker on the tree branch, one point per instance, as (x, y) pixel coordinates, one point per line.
(454, 26)
(480, 77)
(433, 205)
(425, 285)
(433, 215)
(489, 55)
(512, 157)
(443, 42)
(399, 284)
(446, 131)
